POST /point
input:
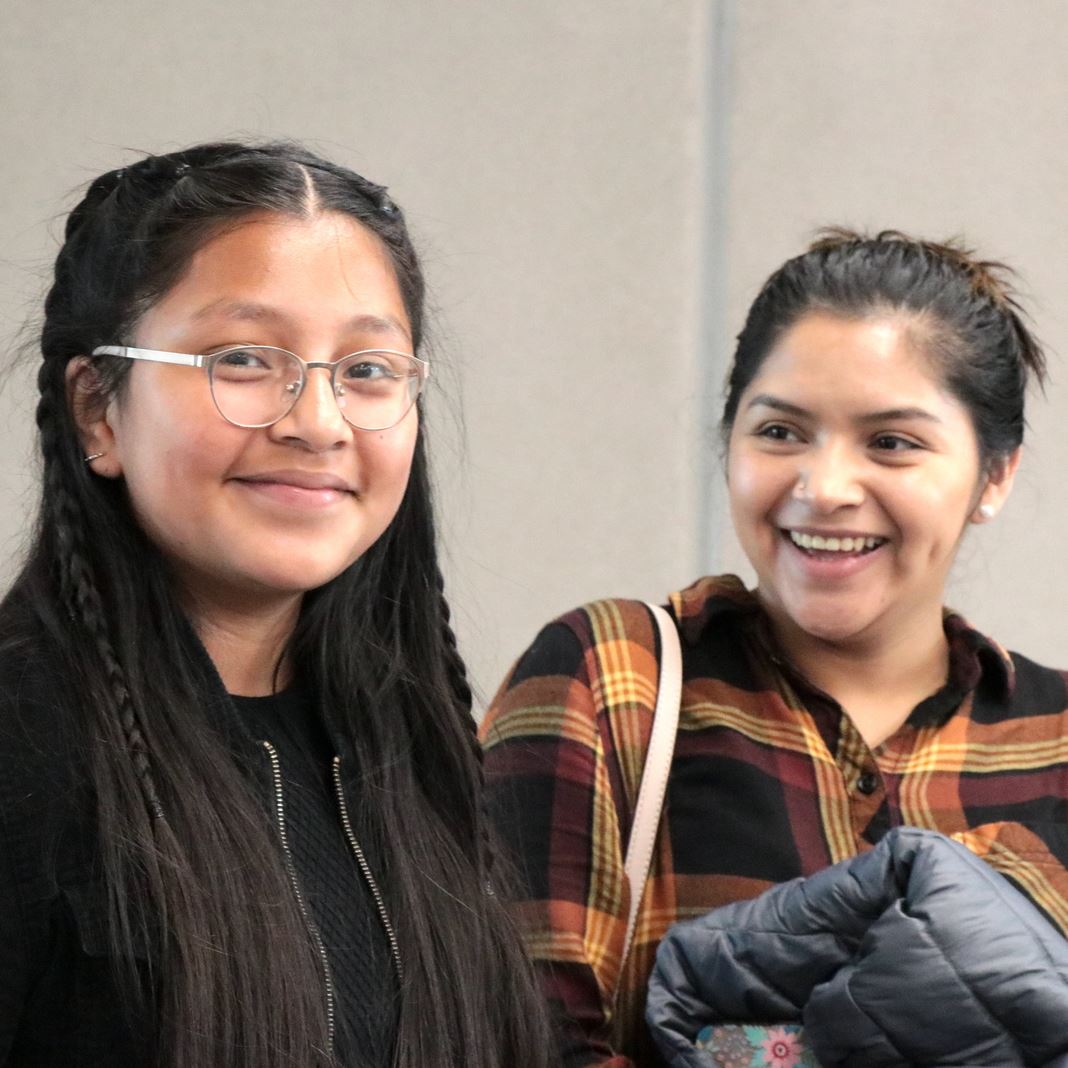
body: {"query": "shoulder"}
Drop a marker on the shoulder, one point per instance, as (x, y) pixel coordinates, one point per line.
(1015, 687)
(1037, 690)
(40, 727)
(565, 645)
(601, 659)
(46, 811)
(33, 670)
(568, 674)
(1007, 685)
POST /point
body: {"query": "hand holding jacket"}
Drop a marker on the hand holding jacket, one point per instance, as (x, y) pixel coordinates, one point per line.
(914, 954)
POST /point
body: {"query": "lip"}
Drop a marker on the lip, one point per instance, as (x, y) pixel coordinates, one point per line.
(309, 480)
(293, 488)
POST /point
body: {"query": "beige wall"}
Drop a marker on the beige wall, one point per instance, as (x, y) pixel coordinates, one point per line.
(598, 189)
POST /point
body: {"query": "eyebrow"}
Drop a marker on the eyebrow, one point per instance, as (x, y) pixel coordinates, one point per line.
(250, 311)
(887, 415)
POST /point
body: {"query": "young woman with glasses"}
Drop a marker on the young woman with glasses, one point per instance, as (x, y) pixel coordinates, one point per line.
(874, 412)
(240, 792)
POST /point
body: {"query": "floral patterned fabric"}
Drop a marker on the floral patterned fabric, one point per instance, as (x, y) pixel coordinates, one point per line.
(753, 1046)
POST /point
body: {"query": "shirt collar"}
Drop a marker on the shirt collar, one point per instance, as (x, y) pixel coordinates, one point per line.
(710, 599)
(974, 659)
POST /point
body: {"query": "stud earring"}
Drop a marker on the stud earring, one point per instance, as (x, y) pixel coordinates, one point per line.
(987, 511)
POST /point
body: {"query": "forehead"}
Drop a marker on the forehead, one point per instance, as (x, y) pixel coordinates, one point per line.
(324, 269)
(851, 364)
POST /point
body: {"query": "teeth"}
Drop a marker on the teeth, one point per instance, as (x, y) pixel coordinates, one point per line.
(833, 545)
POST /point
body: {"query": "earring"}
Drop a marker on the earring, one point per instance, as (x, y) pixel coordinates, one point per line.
(94, 456)
(987, 511)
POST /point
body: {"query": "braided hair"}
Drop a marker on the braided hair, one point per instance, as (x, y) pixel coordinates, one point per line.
(963, 309)
(191, 866)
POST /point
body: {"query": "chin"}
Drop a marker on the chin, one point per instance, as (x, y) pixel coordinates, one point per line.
(293, 577)
(830, 623)
(295, 582)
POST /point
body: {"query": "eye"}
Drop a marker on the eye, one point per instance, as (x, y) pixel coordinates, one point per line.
(778, 432)
(374, 374)
(895, 443)
(237, 358)
(252, 364)
(370, 370)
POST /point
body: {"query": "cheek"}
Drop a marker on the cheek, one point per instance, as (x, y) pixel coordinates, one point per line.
(386, 460)
(174, 460)
(180, 454)
(753, 487)
(932, 510)
(167, 421)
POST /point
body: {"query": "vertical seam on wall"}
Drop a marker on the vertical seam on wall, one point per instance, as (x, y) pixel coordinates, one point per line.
(712, 359)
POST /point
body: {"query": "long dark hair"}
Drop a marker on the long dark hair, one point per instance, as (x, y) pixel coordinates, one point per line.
(962, 309)
(191, 866)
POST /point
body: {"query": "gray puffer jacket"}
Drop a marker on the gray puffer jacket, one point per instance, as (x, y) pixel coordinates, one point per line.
(914, 954)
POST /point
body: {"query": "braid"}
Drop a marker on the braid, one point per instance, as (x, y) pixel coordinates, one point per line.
(459, 684)
(464, 700)
(78, 588)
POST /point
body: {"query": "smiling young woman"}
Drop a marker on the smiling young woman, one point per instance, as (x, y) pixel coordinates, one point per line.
(874, 412)
(853, 475)
(240, 792)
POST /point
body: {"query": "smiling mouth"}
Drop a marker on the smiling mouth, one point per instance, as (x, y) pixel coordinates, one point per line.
(846, 546)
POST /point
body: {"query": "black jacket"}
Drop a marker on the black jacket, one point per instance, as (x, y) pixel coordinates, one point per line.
(914, 954)
(59, 1000)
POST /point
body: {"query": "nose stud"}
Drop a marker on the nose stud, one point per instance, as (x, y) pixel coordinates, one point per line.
(800, 491)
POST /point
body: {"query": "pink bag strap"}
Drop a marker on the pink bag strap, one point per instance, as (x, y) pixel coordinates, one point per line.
(657, 766)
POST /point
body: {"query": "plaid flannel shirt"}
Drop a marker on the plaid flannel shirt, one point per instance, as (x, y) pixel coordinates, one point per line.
(770, 780)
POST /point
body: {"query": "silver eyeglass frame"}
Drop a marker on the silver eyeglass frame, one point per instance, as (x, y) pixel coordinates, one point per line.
(186, 359)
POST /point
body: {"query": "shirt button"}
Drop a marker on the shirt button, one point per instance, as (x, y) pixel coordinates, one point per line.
(868, 783)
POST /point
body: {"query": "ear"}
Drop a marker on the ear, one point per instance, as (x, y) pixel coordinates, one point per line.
(93, 417)
(997, 487)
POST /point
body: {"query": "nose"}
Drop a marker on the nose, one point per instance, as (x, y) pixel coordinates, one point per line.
(315, 422)
(829, 479)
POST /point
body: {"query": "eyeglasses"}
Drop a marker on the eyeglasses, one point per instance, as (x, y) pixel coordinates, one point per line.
(257, 385)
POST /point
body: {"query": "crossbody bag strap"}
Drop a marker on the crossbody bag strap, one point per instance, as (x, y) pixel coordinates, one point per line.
(657, 765)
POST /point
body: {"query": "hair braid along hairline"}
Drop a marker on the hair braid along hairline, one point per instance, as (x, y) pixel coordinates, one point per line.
(464, 701)
(82, 595)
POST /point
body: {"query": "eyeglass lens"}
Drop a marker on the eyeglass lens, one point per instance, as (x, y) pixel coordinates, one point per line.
(258, 385)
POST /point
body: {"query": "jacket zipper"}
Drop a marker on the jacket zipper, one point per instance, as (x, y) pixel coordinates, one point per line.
(365, 868)
(280, 815)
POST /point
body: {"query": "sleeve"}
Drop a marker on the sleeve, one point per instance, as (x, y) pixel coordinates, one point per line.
(550, 797)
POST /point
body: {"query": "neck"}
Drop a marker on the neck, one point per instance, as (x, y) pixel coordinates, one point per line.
(246, 642)
(878, 680)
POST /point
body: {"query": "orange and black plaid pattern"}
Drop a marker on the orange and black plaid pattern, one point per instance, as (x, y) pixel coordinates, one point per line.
(770, 780)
